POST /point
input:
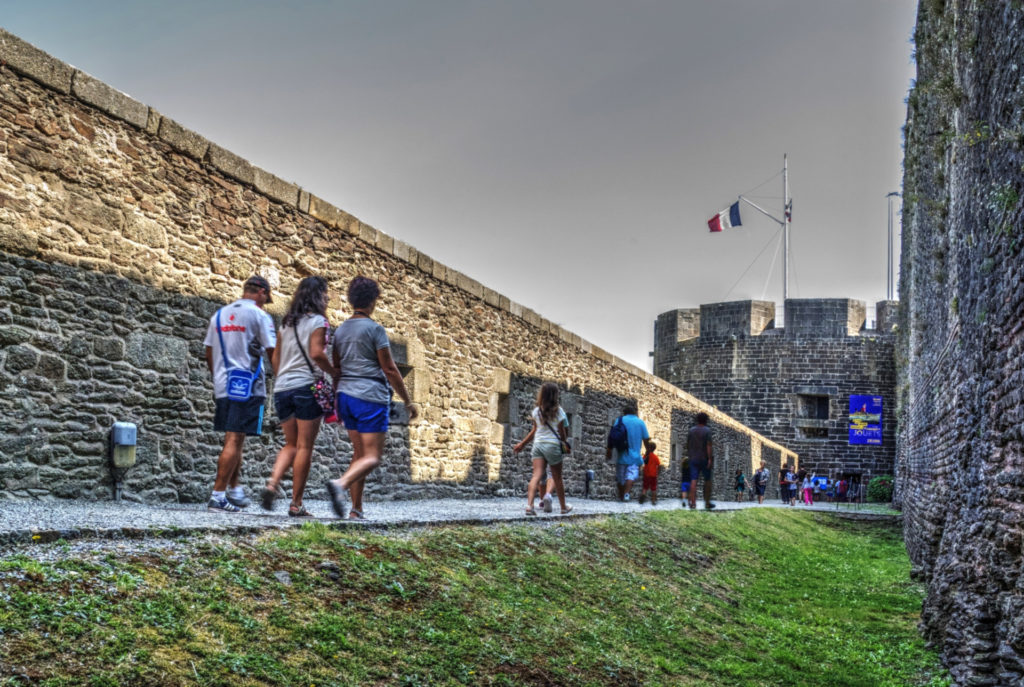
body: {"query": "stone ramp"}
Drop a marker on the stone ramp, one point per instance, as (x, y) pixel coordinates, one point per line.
(27, 522)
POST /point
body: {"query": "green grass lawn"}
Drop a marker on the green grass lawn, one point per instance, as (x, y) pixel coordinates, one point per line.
(754, 597)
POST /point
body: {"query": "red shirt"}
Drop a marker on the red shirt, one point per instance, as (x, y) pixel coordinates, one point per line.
(651, 467)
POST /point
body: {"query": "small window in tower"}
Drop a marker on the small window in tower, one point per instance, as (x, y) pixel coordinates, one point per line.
(812, 407)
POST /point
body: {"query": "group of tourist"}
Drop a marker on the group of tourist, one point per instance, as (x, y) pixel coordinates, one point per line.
(350, 377)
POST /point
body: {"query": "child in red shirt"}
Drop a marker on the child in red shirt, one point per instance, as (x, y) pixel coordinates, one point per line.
(651, 466)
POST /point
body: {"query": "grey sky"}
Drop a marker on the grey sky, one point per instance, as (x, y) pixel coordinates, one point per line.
(566, 153)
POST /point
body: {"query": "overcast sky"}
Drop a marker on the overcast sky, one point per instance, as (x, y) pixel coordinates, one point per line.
(566, 153)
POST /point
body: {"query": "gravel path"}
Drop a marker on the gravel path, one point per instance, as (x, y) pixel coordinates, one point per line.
(37, 522)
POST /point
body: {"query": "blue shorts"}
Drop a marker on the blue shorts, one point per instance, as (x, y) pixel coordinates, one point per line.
(684, 487)
(698, 470)
(298, 403)
(363, 416)
(244, 417)
(626, 473)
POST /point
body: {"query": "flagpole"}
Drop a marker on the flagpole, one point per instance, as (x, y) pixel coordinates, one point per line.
(785, 232)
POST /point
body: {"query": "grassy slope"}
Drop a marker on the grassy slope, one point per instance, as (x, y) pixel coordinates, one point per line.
(756, 597)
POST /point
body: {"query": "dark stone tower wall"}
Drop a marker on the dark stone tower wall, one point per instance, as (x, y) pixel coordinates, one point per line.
(792, 384)
(960, 475)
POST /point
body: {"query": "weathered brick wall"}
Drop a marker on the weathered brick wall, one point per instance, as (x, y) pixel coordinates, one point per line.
(960, 473)
(757, 374)
(121, 232)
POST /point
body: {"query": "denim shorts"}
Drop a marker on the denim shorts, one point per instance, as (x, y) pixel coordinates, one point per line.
(363, 416)
(699, 469)
(551, 453)
(298, 403)
(244, 417)
(626, 473)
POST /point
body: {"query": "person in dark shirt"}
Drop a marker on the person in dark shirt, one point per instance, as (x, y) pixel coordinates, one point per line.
(698, 449)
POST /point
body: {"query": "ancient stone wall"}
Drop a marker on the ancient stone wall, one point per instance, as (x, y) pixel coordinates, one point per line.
(960, 476)
(121, 232)
(791, 384)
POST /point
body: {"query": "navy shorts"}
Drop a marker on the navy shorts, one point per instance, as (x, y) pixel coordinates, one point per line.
(760, 489)
(699, 469)
(363, 416)
(298, 403)
(245, 417)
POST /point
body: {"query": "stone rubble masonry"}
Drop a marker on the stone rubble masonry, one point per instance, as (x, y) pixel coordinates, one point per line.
(731, 356)
(122, 231)
(960, 336)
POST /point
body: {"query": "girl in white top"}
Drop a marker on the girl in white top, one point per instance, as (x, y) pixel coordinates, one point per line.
(301, 349)
(548, 417)
(808, 486)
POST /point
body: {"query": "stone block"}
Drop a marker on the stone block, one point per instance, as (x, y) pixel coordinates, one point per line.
(156, 352)
(153, 122)
(181, 139)
(276, 188)
(491, 297)
(20, 359)
(332, 216)
(367, 234)
(231, 165)
(108, 348)
(303, 200)
(426, 263)
(32, 62)
(10, 335)
(110, 100)
(401, 250)
(471, 286)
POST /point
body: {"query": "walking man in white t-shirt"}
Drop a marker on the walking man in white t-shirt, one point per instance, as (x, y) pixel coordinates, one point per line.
(237, 337)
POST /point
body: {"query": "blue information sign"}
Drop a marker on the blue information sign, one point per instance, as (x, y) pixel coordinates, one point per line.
(866, 420)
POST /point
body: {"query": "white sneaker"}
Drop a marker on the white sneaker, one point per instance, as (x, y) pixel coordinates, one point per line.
(547, 503)
(625, 497)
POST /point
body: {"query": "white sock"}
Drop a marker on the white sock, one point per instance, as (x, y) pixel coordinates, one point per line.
(218, 496)
(237, 492)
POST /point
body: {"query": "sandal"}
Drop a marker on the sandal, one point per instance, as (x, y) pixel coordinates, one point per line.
(299, 512)
(566, 510)
(267, 497)
(337, 495)
(354, 514)
(531, 511)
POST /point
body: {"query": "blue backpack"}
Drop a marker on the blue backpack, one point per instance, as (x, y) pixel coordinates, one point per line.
(618, 439)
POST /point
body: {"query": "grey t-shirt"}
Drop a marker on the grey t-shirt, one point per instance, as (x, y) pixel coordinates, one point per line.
(355, 345)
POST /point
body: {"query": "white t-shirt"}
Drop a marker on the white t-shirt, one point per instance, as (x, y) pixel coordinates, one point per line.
(292, 370)
(247, 330)
(544, 434)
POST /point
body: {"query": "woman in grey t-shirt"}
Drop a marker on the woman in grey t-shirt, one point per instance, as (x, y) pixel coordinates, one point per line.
(367, 373)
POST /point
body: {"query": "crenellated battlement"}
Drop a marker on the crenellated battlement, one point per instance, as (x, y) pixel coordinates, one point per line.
(816, 318)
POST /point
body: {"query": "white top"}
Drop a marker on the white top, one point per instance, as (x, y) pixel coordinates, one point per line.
(292, 370)
(808, 484)
(247, 330)
(544, 434)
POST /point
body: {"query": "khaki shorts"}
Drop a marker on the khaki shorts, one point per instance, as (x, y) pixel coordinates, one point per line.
(552, 453)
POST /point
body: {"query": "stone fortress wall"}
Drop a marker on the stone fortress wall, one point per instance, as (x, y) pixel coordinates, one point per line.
(791, 384)
(960, 349)
(121, 232)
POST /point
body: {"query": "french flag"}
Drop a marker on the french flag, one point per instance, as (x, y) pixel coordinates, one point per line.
(726, 219)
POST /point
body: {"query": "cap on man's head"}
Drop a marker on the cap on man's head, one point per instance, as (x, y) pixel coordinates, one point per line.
(257, 282)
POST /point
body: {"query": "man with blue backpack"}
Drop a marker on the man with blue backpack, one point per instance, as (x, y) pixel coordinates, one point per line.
(236, 339)
(627, 437)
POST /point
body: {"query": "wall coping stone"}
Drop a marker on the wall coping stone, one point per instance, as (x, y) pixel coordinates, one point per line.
(30, 61)
(110, 100)
(33, 63)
